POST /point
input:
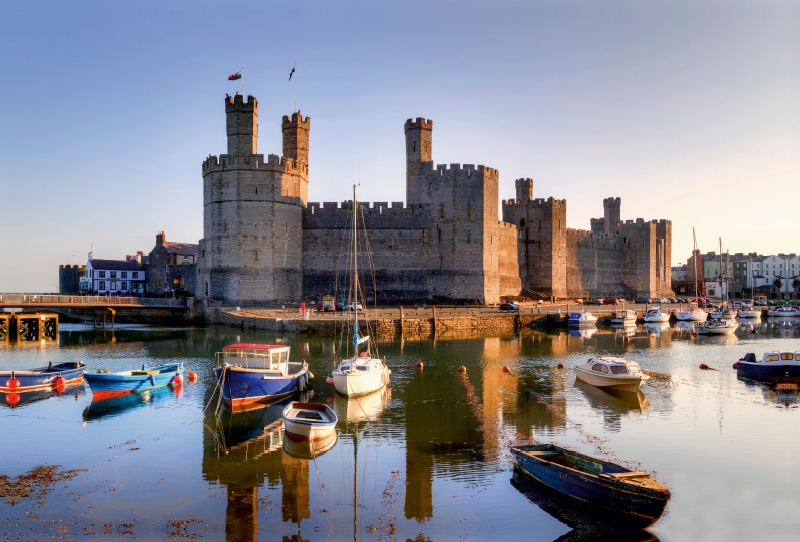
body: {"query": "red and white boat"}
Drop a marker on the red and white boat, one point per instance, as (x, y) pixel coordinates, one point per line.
(309, 421)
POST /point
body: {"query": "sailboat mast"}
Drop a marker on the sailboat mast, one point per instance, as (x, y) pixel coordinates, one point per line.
(355, 267)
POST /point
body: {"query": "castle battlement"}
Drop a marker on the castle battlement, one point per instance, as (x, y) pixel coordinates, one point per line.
(296, 119)
(420, 123)
(444, 170)
(274, 163)
(237, 103)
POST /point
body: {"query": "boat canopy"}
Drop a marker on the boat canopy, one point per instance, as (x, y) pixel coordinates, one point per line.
(258, 356)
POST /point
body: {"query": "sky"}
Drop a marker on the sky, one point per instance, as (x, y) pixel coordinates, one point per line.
(688, 111)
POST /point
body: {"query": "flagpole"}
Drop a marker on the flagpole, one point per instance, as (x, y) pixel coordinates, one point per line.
(242, 84)
(295, 87)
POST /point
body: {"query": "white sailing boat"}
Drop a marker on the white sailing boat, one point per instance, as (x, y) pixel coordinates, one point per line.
(693, 313)
(363, 371)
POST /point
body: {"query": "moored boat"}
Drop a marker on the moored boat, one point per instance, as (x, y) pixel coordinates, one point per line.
(749, 312)
(692, 314)
(612, 373)
(308, 421)
(656, 315)
(582, 319)
(723, 314)
(42, 378)
(626, 317)
(782, 366)
(252, 375)
(107, 385)
(784, 311)
(593, 480)
(716, 327)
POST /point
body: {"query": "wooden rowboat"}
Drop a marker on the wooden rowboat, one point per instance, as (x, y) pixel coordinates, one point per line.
(601, 483)
(111, 385)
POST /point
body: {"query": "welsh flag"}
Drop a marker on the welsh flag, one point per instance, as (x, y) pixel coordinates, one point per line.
(235, 76)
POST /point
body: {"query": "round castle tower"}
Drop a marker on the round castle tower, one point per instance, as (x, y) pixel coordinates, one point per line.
(251, 251)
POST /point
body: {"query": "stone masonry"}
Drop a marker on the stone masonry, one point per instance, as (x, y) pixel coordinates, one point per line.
(264, 243)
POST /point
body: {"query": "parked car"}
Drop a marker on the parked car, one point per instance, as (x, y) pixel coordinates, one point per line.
(610, 301)
(598, 301)
(509, 307)
(358, 307)
(644, 300)
(672, 300)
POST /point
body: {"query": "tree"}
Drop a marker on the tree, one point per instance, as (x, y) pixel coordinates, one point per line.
(796, 283)
(777, 283)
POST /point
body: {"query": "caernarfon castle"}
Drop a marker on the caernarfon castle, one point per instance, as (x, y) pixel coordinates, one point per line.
(264, 242)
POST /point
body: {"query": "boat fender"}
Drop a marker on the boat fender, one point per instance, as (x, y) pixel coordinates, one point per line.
(12, 383)
(301, 384)
(152, 380)
(59, 384)
(177, 379)
(626, 339)
(736, 365)
(310, 375)
(329, 380)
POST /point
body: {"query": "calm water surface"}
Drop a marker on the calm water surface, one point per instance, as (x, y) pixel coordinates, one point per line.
(427, 459)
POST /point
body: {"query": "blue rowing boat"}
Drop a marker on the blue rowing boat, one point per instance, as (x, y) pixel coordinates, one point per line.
(42, 378)
(596, 481)
(253, 375)
(106, 385)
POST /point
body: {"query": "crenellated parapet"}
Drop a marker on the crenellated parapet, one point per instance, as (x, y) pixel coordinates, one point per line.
(376, 215)
(273, 163)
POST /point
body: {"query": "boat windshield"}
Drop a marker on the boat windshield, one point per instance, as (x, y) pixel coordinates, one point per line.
(275, 359)
(771, 357)
(618, 369)
(600, 368)
(787, 356)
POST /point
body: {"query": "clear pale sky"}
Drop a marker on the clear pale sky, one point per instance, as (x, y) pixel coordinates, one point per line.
(687, 110)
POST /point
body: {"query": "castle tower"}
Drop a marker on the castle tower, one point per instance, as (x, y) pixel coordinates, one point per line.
(611, 214)
(242, 125)
(524, 190)
(295, 137)
(251, 251)
(419, 150)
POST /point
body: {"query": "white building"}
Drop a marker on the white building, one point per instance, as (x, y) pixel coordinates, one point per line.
(114, 277)
(679, 273)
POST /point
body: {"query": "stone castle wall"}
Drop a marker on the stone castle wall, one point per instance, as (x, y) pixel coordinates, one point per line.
(69, 278)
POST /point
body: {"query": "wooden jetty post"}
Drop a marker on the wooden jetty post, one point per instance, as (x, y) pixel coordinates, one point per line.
(434, 319)
(402, 321)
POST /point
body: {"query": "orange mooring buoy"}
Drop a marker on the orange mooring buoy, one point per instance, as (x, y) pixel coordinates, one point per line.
(561, 365)
(626, 339)
(329, 380)
(12, 398)
(703, 366)
(192, 377)
(419, 364)
(12, 383)
(177, 379)
(462, 369)
(505, 369)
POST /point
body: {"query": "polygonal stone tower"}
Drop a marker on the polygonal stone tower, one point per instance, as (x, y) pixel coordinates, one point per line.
(251, 251)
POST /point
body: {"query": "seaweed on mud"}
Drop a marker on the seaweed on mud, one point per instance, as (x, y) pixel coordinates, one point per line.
(35, 484)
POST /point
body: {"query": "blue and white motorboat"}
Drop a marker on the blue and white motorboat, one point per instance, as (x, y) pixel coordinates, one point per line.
(772, 366)
(106, 385)
(42, 378)
(582, 319)
(599, 482)
(784, 311)
(252, 375)
(623, 317)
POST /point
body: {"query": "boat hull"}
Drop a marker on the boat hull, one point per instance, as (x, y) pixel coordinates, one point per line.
(244, 388)
(706, 330)
(656, 318)
(770, 371)
(43, 377)
(352, 383)
(604, 492)
(629, 384)
(691, 316)
(110, 385)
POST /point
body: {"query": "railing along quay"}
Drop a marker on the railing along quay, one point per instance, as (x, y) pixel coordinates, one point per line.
(91, 300)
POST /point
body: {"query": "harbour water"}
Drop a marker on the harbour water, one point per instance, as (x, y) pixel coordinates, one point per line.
(427, 459)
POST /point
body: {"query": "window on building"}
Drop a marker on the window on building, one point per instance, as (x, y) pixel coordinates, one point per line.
(186, 258)
(113, 274)
(113, 285)
(101, 285)
(124, 274)
(124, 285)
(102, 274)
(135, 275)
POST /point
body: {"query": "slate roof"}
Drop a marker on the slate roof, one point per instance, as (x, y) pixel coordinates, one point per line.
(182, 248)
(116, 265)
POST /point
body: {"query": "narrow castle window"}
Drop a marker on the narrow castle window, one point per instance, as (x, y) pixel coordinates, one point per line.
(256, 190)
(414, 146)
(441, 210)
(540, 224)
(440, 234)
(206, 289)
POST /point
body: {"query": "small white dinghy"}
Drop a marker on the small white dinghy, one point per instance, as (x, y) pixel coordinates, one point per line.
(749, 312)
(612, 372)
(627, 317)
(656, 315)
(308, 421)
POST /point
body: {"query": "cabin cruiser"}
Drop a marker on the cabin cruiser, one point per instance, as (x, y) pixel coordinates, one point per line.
(692, 314)
(626, 317)
(582, 319)
(772, 365)
(612, 372)
(656, 315)
(716, 327)
(784, 311)
(749, 311)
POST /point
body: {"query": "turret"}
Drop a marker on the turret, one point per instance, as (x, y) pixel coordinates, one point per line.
(524, 190)
(611, 208)
(242, 125)
(419, 149)
(295, 137)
